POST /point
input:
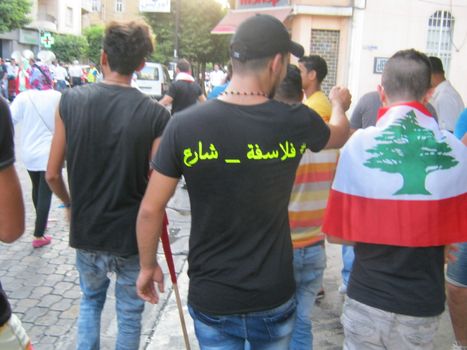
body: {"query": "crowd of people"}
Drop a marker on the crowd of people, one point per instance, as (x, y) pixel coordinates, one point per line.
(16, 76)
(267, 187)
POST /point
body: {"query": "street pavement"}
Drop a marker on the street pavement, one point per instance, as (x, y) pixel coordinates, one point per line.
(43, 288)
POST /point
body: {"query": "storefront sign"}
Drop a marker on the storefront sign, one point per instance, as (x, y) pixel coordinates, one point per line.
(29, 37)
(248, 4)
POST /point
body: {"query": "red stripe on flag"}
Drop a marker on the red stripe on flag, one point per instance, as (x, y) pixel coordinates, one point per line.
(408, 223)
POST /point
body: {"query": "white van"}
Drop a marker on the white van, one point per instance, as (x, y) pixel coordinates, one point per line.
(153, 80)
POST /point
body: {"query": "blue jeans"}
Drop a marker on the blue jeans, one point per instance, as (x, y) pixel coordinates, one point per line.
(457, 270)
(347, 260)
(263, 330)
(309, 264)
(93, 268)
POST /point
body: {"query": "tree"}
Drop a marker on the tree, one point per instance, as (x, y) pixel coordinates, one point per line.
(196, 43)
(94, 36)
(70, 47)
(14, 14)
(408, 149)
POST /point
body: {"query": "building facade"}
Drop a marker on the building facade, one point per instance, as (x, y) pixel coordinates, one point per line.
(356, 37)
(104, 11)
(54, 16)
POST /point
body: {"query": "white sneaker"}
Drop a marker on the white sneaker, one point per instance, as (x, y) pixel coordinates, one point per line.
(342, 289)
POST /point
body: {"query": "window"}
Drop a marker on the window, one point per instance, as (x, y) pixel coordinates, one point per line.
(118, 5)
(439, 40)
(96, 5)
(69, 17)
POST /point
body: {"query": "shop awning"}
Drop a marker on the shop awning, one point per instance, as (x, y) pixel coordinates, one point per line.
(229, 24)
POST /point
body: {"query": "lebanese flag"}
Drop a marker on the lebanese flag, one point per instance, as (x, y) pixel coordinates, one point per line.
(402, 182)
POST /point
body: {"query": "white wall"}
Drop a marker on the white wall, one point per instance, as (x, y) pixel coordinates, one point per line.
(384, 27)
(62, 25)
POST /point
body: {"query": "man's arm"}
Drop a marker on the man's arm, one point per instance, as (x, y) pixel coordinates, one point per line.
(148, 231)
(56, 159)
(201, 98)
(339, 124)
(464, 139)
(11, 206)
(166, 100)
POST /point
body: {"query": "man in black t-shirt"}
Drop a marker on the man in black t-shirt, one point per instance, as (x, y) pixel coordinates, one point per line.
(108, 132)
(12, 334)
(184, 91)
(239, 154)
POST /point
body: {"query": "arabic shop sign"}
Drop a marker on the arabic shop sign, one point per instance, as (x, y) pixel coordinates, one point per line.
(248, 4)
(254, 152)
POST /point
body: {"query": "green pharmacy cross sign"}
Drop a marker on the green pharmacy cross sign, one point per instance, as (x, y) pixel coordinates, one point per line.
(47, 40)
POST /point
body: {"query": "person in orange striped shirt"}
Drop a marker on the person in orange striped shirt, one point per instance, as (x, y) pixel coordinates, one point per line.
(308, 199)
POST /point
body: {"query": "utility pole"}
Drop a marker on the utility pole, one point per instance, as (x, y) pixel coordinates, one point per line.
(177, 27)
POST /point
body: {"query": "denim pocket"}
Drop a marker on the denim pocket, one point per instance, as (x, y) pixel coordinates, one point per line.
(280, 323)
(211, 320)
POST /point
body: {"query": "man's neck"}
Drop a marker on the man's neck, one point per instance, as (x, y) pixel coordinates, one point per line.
(250, 89)
(114, 78)
(311, 89)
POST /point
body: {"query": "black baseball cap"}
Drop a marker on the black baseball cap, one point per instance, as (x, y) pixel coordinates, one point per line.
(262, 36)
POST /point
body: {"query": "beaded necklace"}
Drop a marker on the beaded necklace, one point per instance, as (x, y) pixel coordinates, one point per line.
(243, 93)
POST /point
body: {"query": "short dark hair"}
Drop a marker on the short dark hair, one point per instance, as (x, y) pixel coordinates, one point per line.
(290, 89)
(316, 63)
(436, 65)
(407, 75)
(253, 65)
(127, 44)
(183, 65)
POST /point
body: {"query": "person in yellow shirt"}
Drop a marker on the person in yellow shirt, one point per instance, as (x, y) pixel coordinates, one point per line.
(313, 70)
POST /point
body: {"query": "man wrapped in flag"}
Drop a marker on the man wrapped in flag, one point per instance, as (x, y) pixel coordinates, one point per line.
(400, 194)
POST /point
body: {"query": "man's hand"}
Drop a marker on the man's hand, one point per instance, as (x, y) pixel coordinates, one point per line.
(340, 96)
(146, 284)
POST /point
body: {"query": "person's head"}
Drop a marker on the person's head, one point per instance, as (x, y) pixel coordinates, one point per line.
(260, 47)
(313, 70)
(216, 67)
(75, 62)
(406, 77)
(126, 46)
(290, 89)
(437, 71)
(183, 66)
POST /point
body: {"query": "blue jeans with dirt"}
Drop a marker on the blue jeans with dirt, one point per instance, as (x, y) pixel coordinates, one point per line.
(263, 330)
(94, 269)
(309, 265)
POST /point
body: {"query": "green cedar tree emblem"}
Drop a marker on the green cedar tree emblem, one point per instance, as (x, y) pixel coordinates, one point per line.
(412, 151)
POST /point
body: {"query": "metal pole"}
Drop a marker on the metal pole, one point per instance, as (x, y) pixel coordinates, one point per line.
(177, 27)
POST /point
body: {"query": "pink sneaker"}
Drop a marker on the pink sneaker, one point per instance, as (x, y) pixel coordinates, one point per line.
(40, 242)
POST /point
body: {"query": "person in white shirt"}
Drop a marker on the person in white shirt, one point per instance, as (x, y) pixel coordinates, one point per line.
(217, 76)
(36, 110)
(76, 72)
(446, 100)
(60, 75)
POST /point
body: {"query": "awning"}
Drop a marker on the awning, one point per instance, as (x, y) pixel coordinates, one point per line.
(229, 24)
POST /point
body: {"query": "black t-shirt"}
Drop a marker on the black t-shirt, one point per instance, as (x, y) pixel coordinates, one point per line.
(7, 153)
(7, 158)
(110, 130)
(184, 94)
(402, 280)
(239, 163)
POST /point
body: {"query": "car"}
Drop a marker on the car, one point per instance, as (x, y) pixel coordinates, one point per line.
(153, 80)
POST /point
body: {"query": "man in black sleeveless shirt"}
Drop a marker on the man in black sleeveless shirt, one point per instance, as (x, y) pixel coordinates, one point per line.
(108, 132)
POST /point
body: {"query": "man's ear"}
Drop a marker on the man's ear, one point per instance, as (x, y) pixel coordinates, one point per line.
(311, 74)
(103, 58)
(276, 63)
(382, 95)
(141, 66)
